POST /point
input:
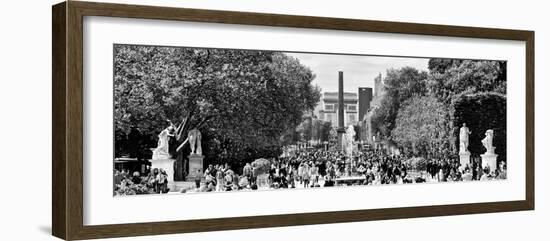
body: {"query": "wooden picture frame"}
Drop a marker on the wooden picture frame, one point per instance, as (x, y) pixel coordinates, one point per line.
(67, 123)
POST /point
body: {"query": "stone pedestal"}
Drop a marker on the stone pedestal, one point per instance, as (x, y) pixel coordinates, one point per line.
(464, 159)
(195, 163)
(166, 164)
(262, 181)
(340, 139)
(490, 160)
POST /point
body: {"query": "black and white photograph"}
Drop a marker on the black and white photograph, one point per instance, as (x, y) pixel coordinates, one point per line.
(193, 120)
(243, 120)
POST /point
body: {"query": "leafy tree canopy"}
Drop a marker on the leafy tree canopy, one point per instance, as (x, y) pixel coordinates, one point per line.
(399, 84)
(481, 112)
(452, 77)
(419, 112)
(240, 99)
(421, 126)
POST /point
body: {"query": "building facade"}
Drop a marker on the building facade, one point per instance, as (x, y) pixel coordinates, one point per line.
(358, 108)
(368, 134)
(365, 97)
(328, 110)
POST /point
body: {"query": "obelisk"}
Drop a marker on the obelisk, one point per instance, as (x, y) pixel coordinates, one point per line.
(341, 129)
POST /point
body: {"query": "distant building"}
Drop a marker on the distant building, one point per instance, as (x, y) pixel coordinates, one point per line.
(365, 97)
(328, 110)
(367, 132)
(358, 108)
(378, 85)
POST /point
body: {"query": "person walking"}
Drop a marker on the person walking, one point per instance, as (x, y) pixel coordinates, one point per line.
(198, 178)
(160, 178)
(305, 175)
(219, 179)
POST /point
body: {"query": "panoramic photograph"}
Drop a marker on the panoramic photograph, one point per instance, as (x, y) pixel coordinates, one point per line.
(199, 120)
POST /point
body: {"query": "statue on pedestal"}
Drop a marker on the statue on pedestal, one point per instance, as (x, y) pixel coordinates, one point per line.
(194, 137)
(488, 142)
(161, 155)
(350, 138)
(161, 152)
(464, 139)
(187, 133)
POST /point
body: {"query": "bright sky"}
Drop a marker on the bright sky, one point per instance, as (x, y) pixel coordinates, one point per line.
(359, 71)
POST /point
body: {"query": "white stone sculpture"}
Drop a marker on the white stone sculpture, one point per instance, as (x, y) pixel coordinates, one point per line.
(350, 139)
(195, 141)
(488, 142)
(464, 137)
(162, 151)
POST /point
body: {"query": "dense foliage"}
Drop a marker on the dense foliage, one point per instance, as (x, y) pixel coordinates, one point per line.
(480, 112)
(421, 127)
(422, 112)
(453, 77)
(127, 187)
(400, 84)
(240, 100)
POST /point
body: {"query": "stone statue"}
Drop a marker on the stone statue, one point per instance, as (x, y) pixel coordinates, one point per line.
(350, 134)
(464, 139)
(161, 152)
(350, 138)
(194, 137)
(488, 142)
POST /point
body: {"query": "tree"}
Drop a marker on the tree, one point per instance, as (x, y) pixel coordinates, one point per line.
(415, 100)
(326, 128)
(400, 84)
(241, 100)
(333, 137)
(449, 78)
(421, 127)
(441, 65)
(305, 129)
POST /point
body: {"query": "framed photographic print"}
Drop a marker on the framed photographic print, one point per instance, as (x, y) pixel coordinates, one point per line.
(214, 120)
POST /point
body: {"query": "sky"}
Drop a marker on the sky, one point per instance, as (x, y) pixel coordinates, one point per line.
(359, 71)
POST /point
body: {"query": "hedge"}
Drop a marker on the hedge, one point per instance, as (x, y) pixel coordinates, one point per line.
(480, 112)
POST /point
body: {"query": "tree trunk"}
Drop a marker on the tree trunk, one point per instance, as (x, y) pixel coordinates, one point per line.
(181, 168)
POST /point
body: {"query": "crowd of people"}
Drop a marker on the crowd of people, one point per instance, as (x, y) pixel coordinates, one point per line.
(156, 182)
(320, 168)
(312, 168)
(449, 171)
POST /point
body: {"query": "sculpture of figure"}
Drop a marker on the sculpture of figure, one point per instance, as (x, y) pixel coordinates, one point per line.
(161, 151)
(350, 138)
(194, 137)
(350, 133)
(464, 139)
(488, 142)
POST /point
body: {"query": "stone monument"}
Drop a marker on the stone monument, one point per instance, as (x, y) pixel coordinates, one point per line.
(161, 157)
(489, 159)
(341, 129)
(350, 141)
(262, 181)
(463, 152)
(196, 157)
